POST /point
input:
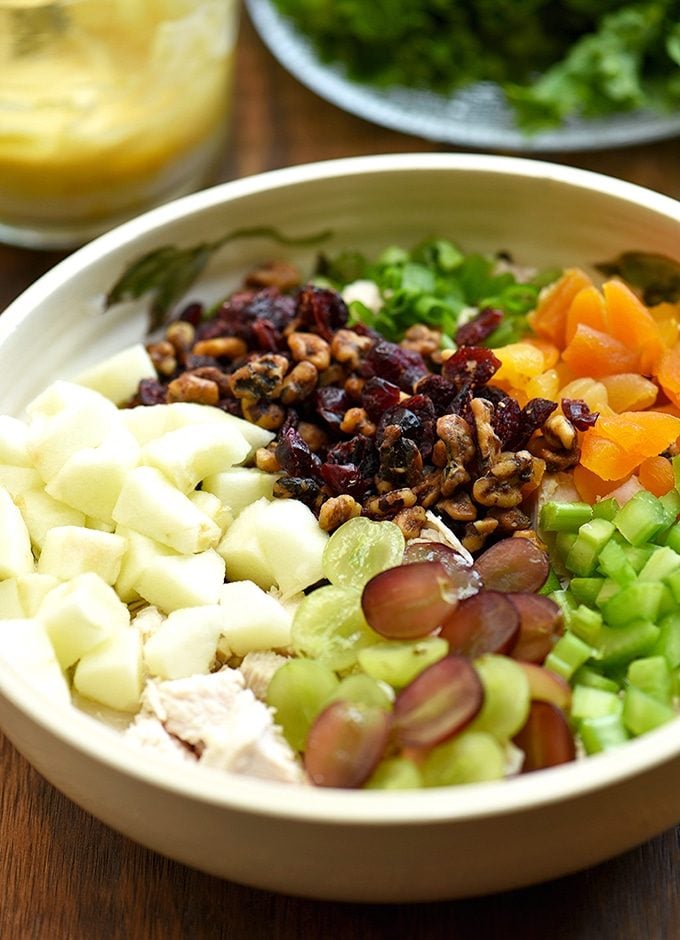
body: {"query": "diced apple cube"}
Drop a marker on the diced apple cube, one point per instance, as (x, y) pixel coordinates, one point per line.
(25, 646)
(91, 479)
(254, 620)
(17, 480)
(213, 507)
(33, 589)
(41, 512)
(16, 556)
(64, 419)
(238, 487)
(140, 553)
(185, 643)
(80, 614)
(174, 581)
(150, 421)
(11, 603)
(14, 442)
(293, 544)
(150, 504)
(189, 454)
(112, 673)
(72, 550)
(241, 548)
(118, 377)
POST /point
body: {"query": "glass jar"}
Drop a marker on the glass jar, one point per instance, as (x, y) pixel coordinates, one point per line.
(107, 108)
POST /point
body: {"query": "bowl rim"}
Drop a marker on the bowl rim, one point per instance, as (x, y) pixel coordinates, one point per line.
(231, 792)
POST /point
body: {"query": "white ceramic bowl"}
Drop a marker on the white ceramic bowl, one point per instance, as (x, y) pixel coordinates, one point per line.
(373, 846)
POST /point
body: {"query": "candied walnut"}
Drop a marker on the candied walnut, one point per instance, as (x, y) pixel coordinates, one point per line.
(354, 387)
(502, 485)
(313, 436)
(455, 434)
(401, 462)
(305, 489)
(280, 274)
(411, 521)
(221, 347)
(336, 510)
(333, 375)
(265, 414)
(356, 421)
(261, 377)
(422, 339)
(389, 504)
(265, 459)
(488, 441)
(349, 348)
(163, 356)
(310, 347)
(428, 489)
(476, 533)
(510, 520)
(459, 508)
(190, 387)
(559, 432)
(213, 374)
(181, 334)
(299, 383)
(557, 444)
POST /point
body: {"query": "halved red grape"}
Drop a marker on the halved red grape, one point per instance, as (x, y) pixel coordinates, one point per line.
(346, 743)
(439, 703)
(463, 579)
(407, 601)
(547, 686)
(540, 625)
(513, 565)
(484, 623)
(546, 738)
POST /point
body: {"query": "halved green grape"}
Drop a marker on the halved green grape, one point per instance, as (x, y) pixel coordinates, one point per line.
(298, 691)
(329, 626)
(360, 549)
(362, 688)
(506, 696)
(398, 662)
(395, 773)
(470, 757)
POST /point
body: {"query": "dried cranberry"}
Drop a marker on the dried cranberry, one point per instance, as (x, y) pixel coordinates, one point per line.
(425, 434)
(345, 478)
(377, 396)
(231, 405)
(578, 412)
(401, 462)
(151, 392)
(265, 336)
(471, 365)
(478, 329)
(440, 392)
(192, 313)
(359, 451)
(191, 361)
(295, 457)
(402, 367)
(534, 415)
(460, 404)
(322, 310)
(506, 420)
(491, 393)
(331, 404)
(271, 305)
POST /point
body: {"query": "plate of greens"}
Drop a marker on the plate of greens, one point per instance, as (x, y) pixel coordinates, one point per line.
(525, 76)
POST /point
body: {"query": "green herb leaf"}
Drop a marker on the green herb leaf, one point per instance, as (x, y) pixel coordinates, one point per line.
(166, 273)
(657, 276)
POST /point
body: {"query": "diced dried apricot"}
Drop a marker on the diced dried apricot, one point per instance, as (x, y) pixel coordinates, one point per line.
(590, 486)
(641, 433)
(630, 391)
(520, 362)
(550, 316)
(592, 392)
(587, 307)
(545, 385)
(594, 353)
(605, 458)
(656, 475)
(551, 353)
(667, 317)
(668, 374)
(629, 321)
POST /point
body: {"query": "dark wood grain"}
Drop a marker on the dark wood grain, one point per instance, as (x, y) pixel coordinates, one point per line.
(65, 875)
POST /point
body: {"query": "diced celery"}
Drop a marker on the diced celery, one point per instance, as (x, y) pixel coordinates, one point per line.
(668, 642)
(641, 518)
(661, 563)
(642, 712)
(605, 509)
(590, 677)
(609, 589)
(652, 675)
(586, 623)
(619, 645)
(675, 461)
(639, 601)
(614, 564)
(668, 603)
(585, 590)
(564, 542)
(639, 555)
(671, 502)
(565, 517)
(567, 603)
(672, 539)
(673, 582)
(567, 655)
(591, 539)
(552, 583)
(602, 733)
(587, 702)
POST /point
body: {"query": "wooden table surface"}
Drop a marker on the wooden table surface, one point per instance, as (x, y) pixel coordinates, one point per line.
(65, 875)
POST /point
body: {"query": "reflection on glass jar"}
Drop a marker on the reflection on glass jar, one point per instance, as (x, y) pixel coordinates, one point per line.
(107, 108)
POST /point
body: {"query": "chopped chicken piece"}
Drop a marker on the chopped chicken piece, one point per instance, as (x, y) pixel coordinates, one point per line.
(258, 667)
(148, 732)
(147, 621)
